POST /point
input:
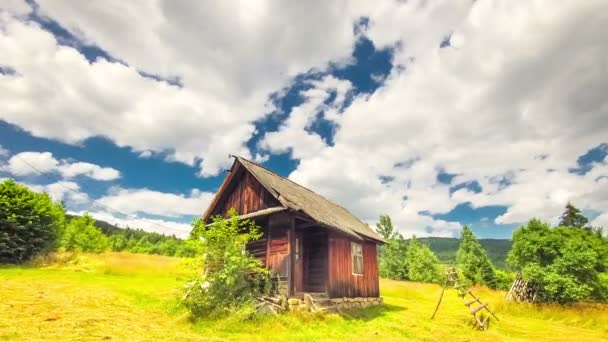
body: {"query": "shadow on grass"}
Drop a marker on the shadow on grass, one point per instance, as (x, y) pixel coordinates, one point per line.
(370, 313)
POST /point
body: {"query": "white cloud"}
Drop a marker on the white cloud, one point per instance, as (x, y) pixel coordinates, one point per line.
(133, 201)
(229, 58)
(62, 191)
(3, 152)
(30, 163)
(292, 135)
(526, 80)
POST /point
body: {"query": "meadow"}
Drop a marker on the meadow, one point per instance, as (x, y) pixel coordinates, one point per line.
(135, 297)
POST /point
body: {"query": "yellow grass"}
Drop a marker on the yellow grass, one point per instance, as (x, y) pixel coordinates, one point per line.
(121, 296)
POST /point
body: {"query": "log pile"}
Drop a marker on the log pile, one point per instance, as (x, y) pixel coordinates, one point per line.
(522, 291)
(270, 305)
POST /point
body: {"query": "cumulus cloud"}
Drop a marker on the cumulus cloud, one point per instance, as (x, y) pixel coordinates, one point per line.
(30, 163)
(62, 191)
(134, 201)
(228, 59)
(512, 106)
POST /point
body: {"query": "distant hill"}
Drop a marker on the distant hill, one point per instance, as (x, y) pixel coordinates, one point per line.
(445, 249)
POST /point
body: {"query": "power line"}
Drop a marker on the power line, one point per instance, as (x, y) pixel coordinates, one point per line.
(6, 173)
(92, 200)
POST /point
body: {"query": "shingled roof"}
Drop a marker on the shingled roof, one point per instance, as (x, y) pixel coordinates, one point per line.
(298, 198)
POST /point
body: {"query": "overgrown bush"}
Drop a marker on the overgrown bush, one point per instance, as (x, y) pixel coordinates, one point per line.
(565, 262)
(232, 278)
(81, 235)
(472, 260)
(30, 223)
(422, 263)
(504, 279)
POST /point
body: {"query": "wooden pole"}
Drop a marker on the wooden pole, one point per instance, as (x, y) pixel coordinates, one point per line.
(440, 298)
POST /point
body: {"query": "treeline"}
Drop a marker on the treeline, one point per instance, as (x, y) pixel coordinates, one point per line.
(32, 224)
(141, 241)
(414, 260)
(566, 264)
(445, 248)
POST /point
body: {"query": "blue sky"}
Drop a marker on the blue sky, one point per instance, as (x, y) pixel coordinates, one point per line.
(423, 112)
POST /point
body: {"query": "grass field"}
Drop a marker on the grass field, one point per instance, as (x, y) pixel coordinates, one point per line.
(121, 296)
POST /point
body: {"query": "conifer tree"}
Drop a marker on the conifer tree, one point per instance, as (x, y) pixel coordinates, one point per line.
(422, 263)
(473, 262)
(572, 217)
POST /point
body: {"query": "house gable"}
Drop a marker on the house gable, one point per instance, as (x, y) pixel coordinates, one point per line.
(241, 191)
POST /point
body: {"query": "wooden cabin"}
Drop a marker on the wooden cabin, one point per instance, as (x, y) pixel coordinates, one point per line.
(312, 244)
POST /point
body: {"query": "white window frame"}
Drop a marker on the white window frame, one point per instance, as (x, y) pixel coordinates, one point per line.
(356, 252)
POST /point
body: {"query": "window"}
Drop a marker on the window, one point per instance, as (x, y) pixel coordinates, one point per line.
(356, 251)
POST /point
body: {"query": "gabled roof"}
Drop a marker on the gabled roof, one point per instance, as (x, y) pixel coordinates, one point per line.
(296, 197)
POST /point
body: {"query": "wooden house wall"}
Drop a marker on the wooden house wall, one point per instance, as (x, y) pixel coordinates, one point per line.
(246, 195)
(342, 282)
(278, 249)
(258, 248)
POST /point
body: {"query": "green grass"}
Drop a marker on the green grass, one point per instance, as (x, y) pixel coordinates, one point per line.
(121, 296)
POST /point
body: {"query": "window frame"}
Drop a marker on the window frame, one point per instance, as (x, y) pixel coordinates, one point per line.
(356, 247)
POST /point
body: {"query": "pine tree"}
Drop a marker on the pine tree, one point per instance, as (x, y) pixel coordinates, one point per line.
(572, 217)
(422, 263)
(472, 260)
(393, 263)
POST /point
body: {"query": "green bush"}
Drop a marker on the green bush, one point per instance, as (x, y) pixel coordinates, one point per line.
(232, 277)
(504, 279)
(30, 223)
(81, 235)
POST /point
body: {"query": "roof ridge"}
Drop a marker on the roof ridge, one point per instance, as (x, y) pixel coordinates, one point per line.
(287, 179)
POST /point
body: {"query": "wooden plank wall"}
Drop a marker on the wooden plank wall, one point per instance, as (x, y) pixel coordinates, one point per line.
(246, 195)
(342, 282)
(278, 248)
(258, 247)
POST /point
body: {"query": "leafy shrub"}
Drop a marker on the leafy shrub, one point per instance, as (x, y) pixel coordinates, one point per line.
(30, 223)
(422, 263)
(564, 262)
(504, 279)
(232, 277)
(473, 262)
(81, 235)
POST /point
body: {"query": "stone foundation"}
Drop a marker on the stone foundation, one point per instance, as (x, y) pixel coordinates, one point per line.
(296, 304)
(357, 302)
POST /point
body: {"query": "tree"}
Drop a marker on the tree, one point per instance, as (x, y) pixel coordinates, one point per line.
(81, 235)
(572, 217)
(385, 228)
(232, 277)
(30, 223)
(392, 263)
(422, 263)
(472, 260)
(564, 263)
